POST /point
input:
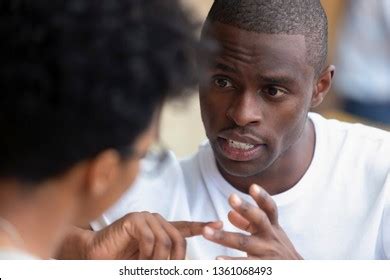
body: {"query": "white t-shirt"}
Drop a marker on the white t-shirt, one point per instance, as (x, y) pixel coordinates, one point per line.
(340, 209)
(15, 254)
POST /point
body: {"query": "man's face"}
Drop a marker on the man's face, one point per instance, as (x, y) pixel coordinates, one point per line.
(255, 93)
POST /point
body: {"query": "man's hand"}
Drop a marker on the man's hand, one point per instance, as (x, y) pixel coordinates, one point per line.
(136, 236)
(267, 240)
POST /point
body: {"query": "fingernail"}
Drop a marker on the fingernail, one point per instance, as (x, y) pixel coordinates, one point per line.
(235, 200)
(208, 231)
(219, 258)
(256, 189)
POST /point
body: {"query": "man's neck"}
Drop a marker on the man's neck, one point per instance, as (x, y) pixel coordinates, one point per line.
(286, 171)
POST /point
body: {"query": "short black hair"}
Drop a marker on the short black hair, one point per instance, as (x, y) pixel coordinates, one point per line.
(81, 76)
(294, 17)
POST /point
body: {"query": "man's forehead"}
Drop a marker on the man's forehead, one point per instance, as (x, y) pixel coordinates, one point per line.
(279, 54)
(224, 33)
(272, 56)
(235, 40)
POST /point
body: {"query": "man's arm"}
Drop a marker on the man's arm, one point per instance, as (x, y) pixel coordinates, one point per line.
(135, 236)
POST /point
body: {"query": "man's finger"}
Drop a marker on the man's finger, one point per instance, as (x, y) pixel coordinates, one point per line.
(265, 202)
(240, 222)
(256, 216)
(239, 241)
(189, 229)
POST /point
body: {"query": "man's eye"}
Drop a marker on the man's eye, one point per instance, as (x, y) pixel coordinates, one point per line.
(274, 91)
(222, 83)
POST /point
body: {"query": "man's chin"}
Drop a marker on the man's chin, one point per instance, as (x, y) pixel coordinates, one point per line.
(239, 169)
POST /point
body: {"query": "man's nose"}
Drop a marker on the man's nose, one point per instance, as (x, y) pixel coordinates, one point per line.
(245, 109)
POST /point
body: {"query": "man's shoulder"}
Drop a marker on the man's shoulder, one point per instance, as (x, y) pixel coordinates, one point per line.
(353, 144)
(354, 131)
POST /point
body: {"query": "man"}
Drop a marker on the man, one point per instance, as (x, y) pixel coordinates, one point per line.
(325, 185)
(82, 84)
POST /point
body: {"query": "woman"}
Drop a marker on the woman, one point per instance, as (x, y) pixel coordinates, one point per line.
(81, 85)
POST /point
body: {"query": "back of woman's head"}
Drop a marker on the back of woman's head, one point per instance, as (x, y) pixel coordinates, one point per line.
(80, 76)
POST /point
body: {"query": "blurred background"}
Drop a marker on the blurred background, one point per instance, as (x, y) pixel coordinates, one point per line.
(359, 46)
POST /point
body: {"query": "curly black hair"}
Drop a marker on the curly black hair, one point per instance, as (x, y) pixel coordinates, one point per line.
(81, 76)
(295, 17)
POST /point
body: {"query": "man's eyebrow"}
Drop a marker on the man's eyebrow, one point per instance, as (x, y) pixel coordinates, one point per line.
(276, 79)
(224, 67)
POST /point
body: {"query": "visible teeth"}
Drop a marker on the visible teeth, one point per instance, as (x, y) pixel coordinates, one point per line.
(240, 145)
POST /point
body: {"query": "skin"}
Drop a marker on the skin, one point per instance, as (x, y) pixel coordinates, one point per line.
(136, 236)
(266, 239)
(258, 89)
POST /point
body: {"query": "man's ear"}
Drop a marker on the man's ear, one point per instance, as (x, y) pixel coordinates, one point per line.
(322, 86)
(103, 173)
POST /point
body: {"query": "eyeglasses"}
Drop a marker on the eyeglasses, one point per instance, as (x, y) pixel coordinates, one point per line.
(153, 162)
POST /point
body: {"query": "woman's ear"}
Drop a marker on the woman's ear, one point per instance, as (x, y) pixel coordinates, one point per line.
(102, 177)
(322, 86)
(103, 173)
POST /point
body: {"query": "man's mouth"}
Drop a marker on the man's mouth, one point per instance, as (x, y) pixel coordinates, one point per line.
(239, 151)
(240, 145)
